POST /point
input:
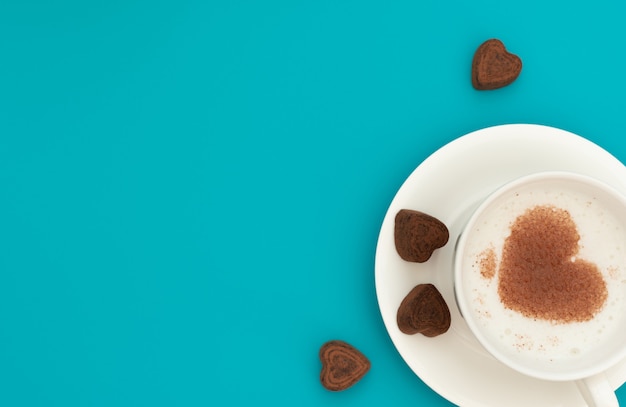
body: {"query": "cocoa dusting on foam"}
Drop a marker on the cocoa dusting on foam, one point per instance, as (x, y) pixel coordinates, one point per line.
(539, 274)
(487, 263)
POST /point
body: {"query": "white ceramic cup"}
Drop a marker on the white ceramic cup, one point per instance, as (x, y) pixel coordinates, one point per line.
(538, 303)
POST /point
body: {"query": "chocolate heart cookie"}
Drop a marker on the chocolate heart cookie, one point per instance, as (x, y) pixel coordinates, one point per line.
(424, 311)
(417, 235)
(342, 365)
(493, 66)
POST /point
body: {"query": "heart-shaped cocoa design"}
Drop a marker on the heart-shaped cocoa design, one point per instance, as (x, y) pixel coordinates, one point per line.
(493, 66)
(342, 365)
(539, 274)
(424, 311)
(417, 235)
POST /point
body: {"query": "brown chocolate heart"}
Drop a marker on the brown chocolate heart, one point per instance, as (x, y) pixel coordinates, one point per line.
(493, 66)
(342, 365)
(424, 311)
(417, 235)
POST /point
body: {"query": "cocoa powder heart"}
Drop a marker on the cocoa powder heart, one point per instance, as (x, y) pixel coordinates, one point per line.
(541, 276)
(342, 365)
(493, 66)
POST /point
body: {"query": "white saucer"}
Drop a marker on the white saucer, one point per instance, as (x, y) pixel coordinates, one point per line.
(449, 185)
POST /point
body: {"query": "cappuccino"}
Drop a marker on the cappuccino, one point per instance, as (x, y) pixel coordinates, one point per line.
(543, 271)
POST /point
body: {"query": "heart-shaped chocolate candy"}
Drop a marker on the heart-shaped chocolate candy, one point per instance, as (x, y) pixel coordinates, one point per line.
(493, 66)
(417, 235)
(342, 365)
(424, 311)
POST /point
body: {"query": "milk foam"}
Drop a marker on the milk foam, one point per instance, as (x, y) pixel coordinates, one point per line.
(602, 241)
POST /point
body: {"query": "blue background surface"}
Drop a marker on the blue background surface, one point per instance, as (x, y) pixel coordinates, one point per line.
(191, 191)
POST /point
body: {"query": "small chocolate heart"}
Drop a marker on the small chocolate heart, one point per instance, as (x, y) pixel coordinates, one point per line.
(417, 235)
(493, 66)
(342, 365)
(424, 311)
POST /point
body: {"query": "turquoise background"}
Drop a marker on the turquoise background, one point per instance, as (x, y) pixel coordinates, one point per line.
(191, 191)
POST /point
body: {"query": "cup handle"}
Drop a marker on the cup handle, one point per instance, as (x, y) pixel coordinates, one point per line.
(597, 391)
